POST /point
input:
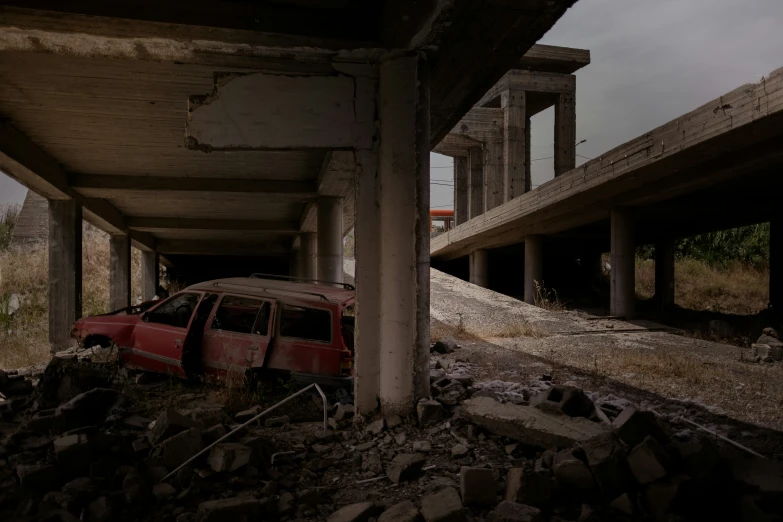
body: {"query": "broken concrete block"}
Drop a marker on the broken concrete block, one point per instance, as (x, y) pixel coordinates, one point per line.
(372, 462)
(623, 504)
(477, 486)
(89, 408)
(168, 424)
(648, 461)
(660, 497)
(276, 422)
(459, 450)
(531, 425)
(632, 426)
(73, 451)
(214, 433)
(401, 439)
(163, 491)
(234, 508)
(343, 412)
(767, 351)
(375, 427)
(567, 400)
(99, 510)
(405, 467)
(571, 473)
(606, 459)
(38, 477)
(405, 511)
(285, 504)
(443, 506)
(701, 458)
(448, 391)
(429, 412)
(393, 421)
(423, 446)
(529, 486)
(228, 456)
(359, 512)
(444, 346)
(179, 448)
(508, 511)
(762, 475)
(246, 415)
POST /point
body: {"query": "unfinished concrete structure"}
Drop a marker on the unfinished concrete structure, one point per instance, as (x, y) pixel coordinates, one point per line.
(259, 133)
(711, 169)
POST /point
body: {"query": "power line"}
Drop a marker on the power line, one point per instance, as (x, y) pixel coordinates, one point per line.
(585, 157)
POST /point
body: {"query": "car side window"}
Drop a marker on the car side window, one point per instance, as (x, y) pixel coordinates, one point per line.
(306, 323)
(176, 311)
(242, 315)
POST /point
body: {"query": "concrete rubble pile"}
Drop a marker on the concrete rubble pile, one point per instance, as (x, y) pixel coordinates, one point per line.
(465, 457)
(768, 347)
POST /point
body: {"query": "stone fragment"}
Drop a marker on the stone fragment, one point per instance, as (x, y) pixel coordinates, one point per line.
(99, 510)
(532, 486)
(360, 512)
(661, 496)
(179, 448)
(767, 351)
(632, 426)
(234, 508)
(246, 415)
(429, 412)
(444, 346)
(365, 446)
(423, 446)
(168, 424)
(623, 504)
(571, 473)
(405, 511)
(567, 400)
(701, 458)
(477, 486)
(400, 438)
(73, 451)
(459, 450)
(508, 511)
(38, 477)
(606, 459)
(372, 462)
(530, 425)
(276, 422)
(343, 412)
(405, 466)
(228, 456)
(648, 461)
(88, 409)
(214, 433)
(285, 504)
(393, 421)
(163, 491)
(443, 506)
(375, 427)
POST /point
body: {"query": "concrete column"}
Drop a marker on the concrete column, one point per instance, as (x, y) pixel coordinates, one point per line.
(479, 268)
(475, 182)
(493, 173)
(534, 266)
(330, 239)
(529, 177)
(367, 276)
(150, 275)
(65, 270)
(623, 257)
(664, 273)
(776, 264)
(461, 190)
(308, 247)
(119, 271)
(404, 173)
(515, 175)
(565, 133)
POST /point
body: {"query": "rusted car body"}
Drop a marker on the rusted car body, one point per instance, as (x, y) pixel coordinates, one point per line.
(235, 325)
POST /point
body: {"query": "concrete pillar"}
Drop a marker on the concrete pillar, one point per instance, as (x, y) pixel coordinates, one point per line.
(65, 270)
(150, 275)
(308, 247)
(565, 133)
(515, 151)
(367, 276)
(479, 268)
(623, 257)
(776, 264)
(664, 273)
(534, 266)
(404, 173)
(529, 177)
(461, 190)
(330, 239)
(475, 182)
(119, 271)
(493, 173)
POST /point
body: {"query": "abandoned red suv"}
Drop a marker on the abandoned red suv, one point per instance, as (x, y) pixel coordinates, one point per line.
(238, 324)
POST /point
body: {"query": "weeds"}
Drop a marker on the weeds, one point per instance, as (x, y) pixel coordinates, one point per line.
(547, 298)
(521, 328)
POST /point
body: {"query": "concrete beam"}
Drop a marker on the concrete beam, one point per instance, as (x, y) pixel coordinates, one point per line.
(565, 133)
(479, 268)
(404, 112)
(461, 190)
(166, 223)
(367, 335)
(330, 239)
(515, 152)
(528, 81)
(550, 58)
(95, 185)
(623, 261)
(150, 275)
(221, 248)
(664, 273)
(119, 271)
(534, 266)
(65, 271)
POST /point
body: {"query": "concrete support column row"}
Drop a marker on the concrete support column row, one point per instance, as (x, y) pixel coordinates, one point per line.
(475, 182)
(330, 239)
(623, 257)
(565, 133)
(65, 270)
(309, 250)
(119, 271)
(461, 191)
(150, 274)
(479, 268)
(534, 266)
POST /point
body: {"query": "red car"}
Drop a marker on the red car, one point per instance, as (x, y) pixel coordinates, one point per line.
(238, 324)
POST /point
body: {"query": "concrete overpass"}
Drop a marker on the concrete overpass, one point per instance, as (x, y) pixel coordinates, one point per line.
(714, 168)
(259, 132)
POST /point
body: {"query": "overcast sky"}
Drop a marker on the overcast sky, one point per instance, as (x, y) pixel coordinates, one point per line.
(651, 62)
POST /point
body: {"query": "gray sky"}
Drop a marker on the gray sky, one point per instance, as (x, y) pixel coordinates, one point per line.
(651, 62)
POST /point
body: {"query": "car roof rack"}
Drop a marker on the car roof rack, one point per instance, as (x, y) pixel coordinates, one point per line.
(279, 290)
(301, 279)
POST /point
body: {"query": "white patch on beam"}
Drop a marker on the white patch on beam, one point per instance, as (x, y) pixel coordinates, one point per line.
(269, 111)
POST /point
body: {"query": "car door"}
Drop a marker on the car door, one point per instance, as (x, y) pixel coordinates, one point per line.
(192, 350)
(158, 340)
(239, 334)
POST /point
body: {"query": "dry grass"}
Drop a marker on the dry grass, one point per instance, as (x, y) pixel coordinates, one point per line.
(24, 273)
(521, 328)
(736, 289)
(513, 329)
(547, 298)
